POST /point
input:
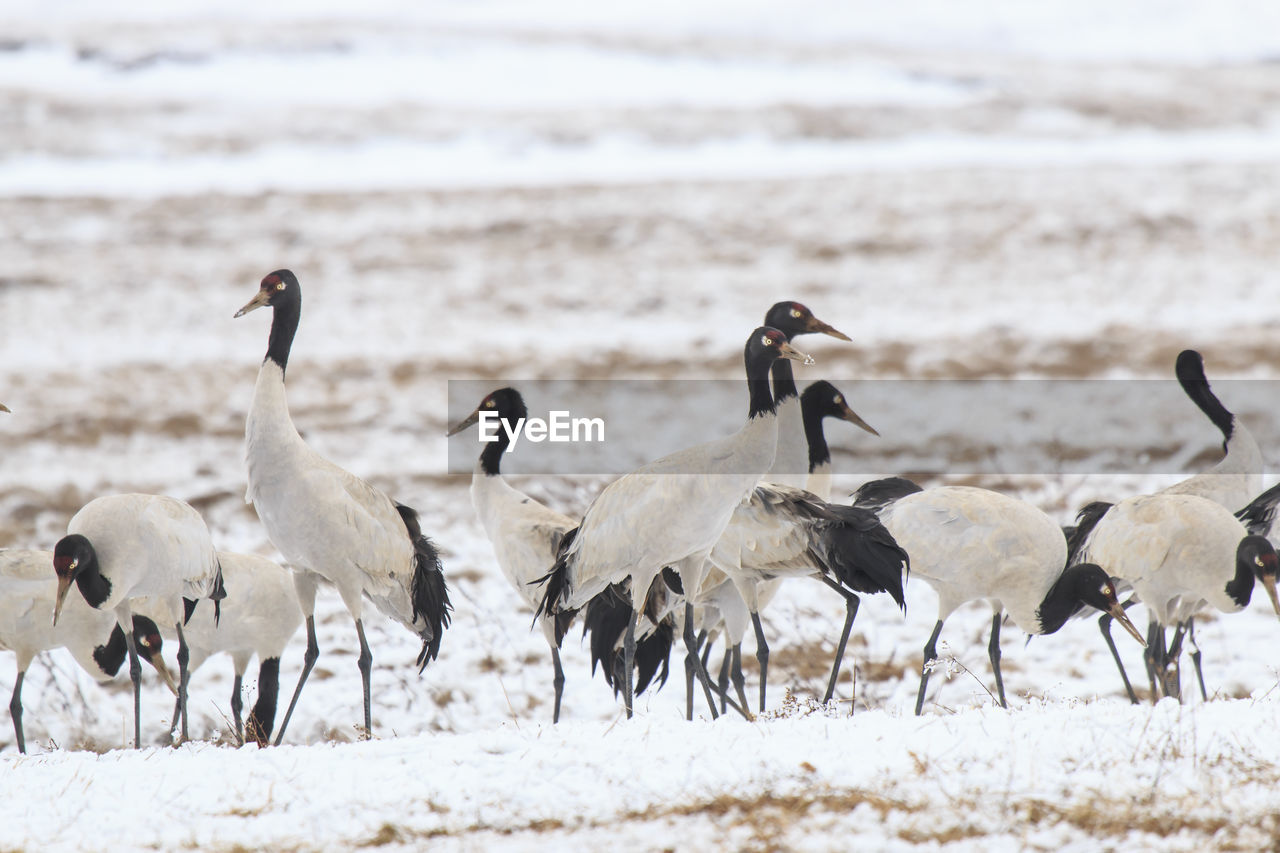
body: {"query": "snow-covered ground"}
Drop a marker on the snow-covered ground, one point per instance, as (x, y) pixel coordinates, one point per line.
(504, 191)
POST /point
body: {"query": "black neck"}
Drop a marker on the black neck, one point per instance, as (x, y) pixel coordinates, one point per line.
(284, 325)
(93, 586)
(819, 453)
(1060, 604)
(1193, 381)
(491, 456)
(1240, 588)
(110, 655)
(784, 380)
(758, 386)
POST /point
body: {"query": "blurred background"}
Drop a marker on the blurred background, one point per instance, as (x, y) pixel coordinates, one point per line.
(506, 190)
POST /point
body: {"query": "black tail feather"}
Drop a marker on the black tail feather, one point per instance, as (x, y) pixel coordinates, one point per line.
(878, 494)
(860, 553)
(1086, 520)
(605, 621)
(653, 656)
(430, 592)
(556, 590)
(262, 718)
(219, 593)
(1258, 516)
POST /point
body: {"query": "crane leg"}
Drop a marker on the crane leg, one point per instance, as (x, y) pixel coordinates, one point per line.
(1104, 625)
(629, 662)
(237, 707)
(557, 681)
(690, 645)
(723, 680)
(177, 717)
(993, 652)
(308, 661)
(930, 655)
(1153, 657)
(762, 656)
(365, 663)
(1172, 672)
(1195, 657)
(184, 676)
(851, 602)
(739, 682)
(135, 675)
(688, 688)
(15, 711)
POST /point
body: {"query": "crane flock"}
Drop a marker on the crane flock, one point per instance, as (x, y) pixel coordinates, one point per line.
(696, 543)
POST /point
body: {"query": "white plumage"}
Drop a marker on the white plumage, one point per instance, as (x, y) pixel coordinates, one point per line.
(27, 595)
(524, 533)
(780, 532)
(330, 525)
(121, 548)
(974, 544)
(783, 532)
(671, 512)
(259, 617)
(1180, 553)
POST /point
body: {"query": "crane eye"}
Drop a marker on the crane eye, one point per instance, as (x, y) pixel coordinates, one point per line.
(795, 312)
(279, 285)
(766, 341)
(488, 404)
(1258, 561)
(837, 399)
(74, 563)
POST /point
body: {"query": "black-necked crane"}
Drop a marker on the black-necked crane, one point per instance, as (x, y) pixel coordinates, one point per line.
(1260, 519)
(1180, 553)
(670, 513)
(790, 465)
(1232, 483)
(1237, 478)
(330, 525)
(28, 595)
(120, 548)
(781, 532)
(259, 617)
(819, 401)
(525, 534)
(973, 544)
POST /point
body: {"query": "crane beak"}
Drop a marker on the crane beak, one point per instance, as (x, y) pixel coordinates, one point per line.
(64, 584)
(787, 351)
(1117, 613)
(470, 419)
(262, 297)
(163, 672)
(819, 327)
(852, 417)
(4, 408)
(1269, 581)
